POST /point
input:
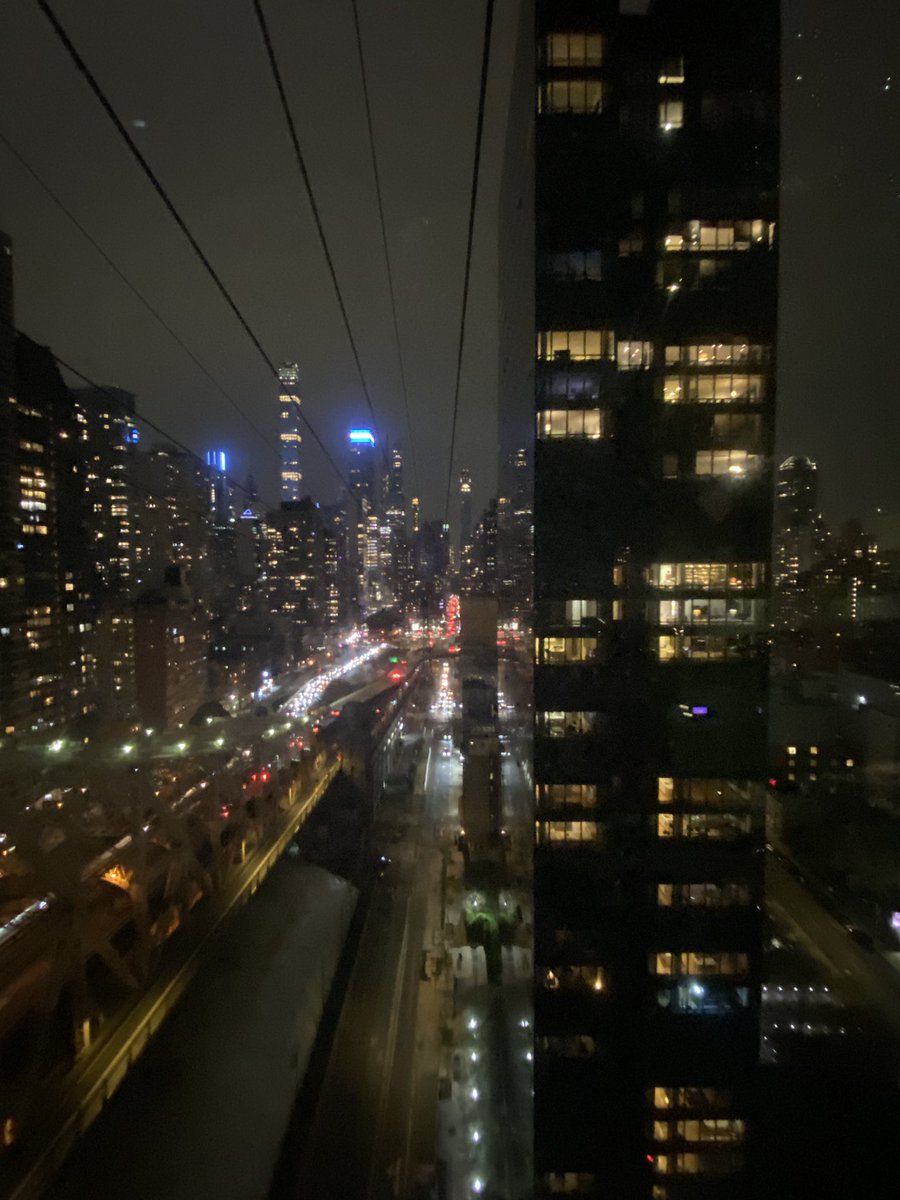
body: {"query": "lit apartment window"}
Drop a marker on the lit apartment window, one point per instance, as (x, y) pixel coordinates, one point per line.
(570, 96)
(722, 827)
(566, 724)
(705, 610)
(716, 236)
(672, 70)
(587, 977)
(566, 650)
(576, 345)
(634, 356)
(567, 832)
(702, 895)
(724, 794)
(699, 962)
(692, 1099)
(580, 610)
(687, 1163)
(671, 114)
(574, 49)
(585, 424)
(707, 576)
(716, 354)
(704, 648)
(736, 463)
(566, 795)
(713, 389)
(723, 1131)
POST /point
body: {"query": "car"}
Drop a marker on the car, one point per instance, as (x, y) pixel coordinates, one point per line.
(445, 751)
(382, 862)
(863, 939)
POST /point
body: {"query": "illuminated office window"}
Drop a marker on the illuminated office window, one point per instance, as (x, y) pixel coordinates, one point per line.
(634, 356)
(717, 354)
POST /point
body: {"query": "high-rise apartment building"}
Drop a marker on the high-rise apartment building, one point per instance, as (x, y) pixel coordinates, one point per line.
(296, 568)
(289, 432)
(656, 199)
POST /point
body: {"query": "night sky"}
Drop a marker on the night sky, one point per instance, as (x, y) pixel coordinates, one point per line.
(196, 77)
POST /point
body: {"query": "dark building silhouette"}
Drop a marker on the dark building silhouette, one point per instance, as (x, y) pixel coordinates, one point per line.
(798, 538)
(656, 202)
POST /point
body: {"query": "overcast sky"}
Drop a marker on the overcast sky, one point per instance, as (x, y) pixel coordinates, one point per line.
(196, 79)
(195, 76)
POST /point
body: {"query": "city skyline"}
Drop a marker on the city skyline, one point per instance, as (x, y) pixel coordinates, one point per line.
(827, 193)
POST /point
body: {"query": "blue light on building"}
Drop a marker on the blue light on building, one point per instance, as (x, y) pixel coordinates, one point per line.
(360, 436)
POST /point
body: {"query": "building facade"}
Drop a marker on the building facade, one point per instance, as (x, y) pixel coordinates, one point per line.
(656, 204)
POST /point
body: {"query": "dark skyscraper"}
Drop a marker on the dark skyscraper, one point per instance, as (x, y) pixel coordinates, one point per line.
(656, 191)
(798, 537)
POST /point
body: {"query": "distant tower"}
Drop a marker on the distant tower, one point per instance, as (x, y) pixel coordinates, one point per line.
(220, 495)
(289, 431)
(796, 500)
(415, 514)
(395, 479)
(465, 511)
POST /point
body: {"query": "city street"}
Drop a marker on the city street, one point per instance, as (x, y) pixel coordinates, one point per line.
(397, 1095)
(867, 978)
(374, 1121)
